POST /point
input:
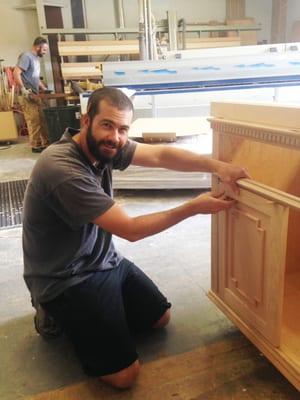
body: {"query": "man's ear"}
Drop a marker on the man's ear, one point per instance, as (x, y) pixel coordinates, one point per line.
(85, 121)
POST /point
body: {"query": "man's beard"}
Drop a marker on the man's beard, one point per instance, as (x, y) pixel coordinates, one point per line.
(40, 54)
(94, 148)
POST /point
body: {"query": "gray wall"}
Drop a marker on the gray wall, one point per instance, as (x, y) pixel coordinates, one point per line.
(293, 15)
(100, 14)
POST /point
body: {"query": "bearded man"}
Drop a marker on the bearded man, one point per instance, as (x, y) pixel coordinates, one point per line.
(27, 77)
(76, 276)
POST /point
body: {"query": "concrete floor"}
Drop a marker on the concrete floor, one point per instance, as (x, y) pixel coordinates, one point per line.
(178, 260)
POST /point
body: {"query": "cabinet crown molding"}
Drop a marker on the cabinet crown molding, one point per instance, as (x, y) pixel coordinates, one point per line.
(264, 133)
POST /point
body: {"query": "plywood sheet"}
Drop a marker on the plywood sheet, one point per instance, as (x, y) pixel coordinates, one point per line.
(8, 129)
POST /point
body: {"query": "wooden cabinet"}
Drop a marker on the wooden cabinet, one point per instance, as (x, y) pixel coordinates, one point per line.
(256, 244)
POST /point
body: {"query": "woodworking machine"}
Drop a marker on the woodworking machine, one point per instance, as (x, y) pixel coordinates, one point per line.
(227, 68)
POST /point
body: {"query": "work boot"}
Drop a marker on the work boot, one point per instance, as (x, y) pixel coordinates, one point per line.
(45, 324)
(38, 149)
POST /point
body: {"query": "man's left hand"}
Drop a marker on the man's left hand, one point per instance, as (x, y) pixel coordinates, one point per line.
(229, 174)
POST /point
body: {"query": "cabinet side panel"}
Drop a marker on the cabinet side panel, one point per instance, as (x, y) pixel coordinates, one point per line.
(272, 165)
(293, 242)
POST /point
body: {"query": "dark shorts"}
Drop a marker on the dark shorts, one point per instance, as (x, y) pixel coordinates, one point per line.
(100, 315)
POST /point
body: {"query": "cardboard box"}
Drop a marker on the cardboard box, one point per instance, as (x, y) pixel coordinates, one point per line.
(8, 127)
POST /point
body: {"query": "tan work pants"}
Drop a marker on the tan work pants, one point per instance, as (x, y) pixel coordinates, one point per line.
(35, 120)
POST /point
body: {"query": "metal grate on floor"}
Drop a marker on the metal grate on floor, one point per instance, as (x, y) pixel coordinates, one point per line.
(11, 203)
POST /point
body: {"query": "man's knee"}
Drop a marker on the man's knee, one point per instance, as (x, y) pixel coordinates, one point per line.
(123, 379)
(164, 320)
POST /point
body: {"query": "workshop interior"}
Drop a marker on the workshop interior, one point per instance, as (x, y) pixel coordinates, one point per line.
(220, 79)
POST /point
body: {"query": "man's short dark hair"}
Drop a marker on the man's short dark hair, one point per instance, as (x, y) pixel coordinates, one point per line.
(39, 40)
(115, 97)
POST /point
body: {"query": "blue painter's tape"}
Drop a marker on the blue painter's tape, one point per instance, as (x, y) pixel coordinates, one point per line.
(208, 68)
(119, 73)
(163, 71)
(258, 65)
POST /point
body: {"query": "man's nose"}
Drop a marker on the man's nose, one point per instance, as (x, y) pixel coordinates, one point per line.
(115, 135)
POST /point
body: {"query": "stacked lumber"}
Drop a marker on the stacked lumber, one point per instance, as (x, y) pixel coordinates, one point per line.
(98, 47)
(91, 70)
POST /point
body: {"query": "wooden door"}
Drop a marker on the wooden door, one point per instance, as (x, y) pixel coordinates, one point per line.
(251, 246)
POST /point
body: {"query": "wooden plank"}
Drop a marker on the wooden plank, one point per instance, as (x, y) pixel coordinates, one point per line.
(98, 47)
(203, 43)
(86, 70)
(70, 43)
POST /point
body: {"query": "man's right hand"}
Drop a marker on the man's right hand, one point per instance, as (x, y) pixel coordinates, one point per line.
(26, 93)
(209, 203)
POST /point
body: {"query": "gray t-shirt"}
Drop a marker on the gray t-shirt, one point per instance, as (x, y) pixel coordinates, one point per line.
(30, 64)
(61, 246)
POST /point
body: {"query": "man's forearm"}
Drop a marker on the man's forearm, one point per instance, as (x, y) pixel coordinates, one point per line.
(151, 224)
(187, 161)
(183, 160)
(117, 221)
(18, 79)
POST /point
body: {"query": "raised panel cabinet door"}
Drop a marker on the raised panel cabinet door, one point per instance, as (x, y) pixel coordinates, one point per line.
(251, 245)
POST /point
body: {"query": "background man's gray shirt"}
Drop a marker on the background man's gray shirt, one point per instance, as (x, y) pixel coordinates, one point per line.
(65, 193)
(30, 65)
